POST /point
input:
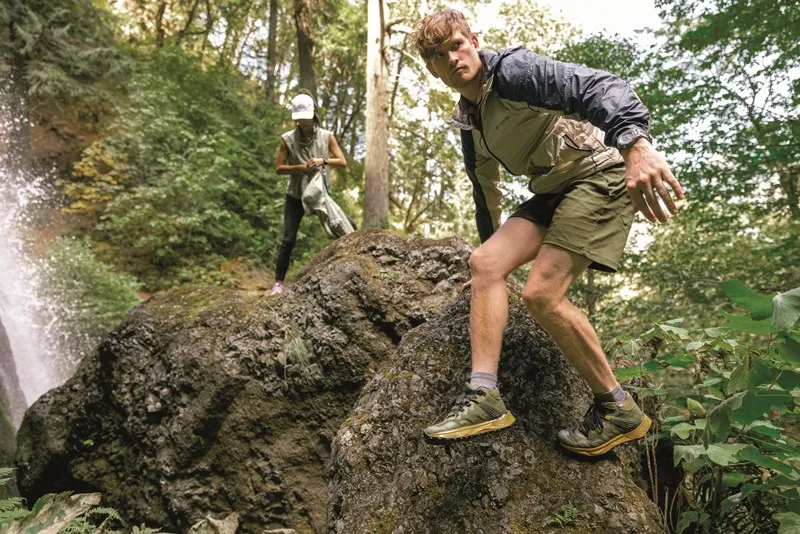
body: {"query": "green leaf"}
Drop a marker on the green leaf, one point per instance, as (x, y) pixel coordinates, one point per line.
(730, 480)
(681, 361)
(695, 408)
(720, 453)
(751, 454)
(687, 518)
(680, 333)
(789, 521)
(682, 430)
(756, 403)
(789, 349)
(786, 309)
(694, 345)
(739, 377)
(626, 373)
(745, 324)
(761, 373)
(759, 306)
(716, 332)
(719, 419)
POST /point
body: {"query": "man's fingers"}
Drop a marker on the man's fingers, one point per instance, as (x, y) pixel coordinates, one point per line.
(674, 184)
(665, 196)
(652, 201)
(640, 205)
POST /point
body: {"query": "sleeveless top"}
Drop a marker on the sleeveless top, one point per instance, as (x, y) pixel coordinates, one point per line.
(300, 150)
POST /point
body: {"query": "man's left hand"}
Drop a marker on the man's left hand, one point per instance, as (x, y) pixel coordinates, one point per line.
(645, 175)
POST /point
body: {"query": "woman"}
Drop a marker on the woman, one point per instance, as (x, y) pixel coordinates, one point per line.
(304, 151)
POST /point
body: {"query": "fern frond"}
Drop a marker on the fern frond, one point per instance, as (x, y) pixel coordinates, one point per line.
(110, 513)
(10, 515)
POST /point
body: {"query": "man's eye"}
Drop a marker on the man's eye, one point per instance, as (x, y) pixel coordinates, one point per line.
(438, 55)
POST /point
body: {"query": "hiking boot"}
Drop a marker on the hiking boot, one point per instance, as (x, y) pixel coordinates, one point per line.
(277, 288)
(606, 425)
(475, 412)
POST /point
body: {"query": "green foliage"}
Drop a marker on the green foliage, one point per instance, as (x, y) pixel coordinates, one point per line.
(566, 518)
(91, 297)
(70, 514)
(729, 399)
(66, 46)
(199, 184)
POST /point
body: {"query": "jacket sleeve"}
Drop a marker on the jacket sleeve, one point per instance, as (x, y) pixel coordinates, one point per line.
(484, 174)
(603, 99)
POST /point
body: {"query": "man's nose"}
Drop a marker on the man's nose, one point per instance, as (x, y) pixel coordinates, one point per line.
(452, 58)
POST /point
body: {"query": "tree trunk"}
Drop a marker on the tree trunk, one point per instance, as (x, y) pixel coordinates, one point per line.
(790, 183)
(376, 164)
(272, 40)
(189, 20)
(305, 45)
(162, 7)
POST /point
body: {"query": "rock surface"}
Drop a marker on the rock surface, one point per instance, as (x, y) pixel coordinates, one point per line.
(386, 479)
(7, 429)
(12, 400)
(209, 401)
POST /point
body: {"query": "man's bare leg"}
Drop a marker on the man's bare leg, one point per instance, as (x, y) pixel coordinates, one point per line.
(481, 409)
(516, 243)
(545, 296)
(614, 418)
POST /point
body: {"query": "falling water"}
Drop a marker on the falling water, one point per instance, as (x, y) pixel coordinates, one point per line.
(28, 321)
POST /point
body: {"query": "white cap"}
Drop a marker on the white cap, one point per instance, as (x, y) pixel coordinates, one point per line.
(302, 107)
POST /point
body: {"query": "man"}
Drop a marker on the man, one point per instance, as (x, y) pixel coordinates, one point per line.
(581, 135)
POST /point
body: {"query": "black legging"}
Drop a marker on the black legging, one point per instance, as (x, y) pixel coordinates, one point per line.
(292, 215)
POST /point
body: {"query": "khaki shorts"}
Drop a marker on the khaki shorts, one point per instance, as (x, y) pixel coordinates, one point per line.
(591, 217)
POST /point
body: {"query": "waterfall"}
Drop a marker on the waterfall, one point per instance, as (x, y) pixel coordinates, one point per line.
(29, 323)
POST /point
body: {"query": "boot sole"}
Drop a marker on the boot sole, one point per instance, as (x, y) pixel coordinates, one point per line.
(467, 432)
(637, 433)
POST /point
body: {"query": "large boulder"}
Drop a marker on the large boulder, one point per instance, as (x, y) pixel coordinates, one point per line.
(384, 478)
(209, 401)
(8, 382)
(12, 400)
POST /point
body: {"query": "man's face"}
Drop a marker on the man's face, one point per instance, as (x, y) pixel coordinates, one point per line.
(456, 61)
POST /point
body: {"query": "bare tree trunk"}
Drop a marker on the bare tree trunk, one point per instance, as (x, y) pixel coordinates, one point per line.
(305, 45)
(189, 20)
(162, 7)
(376, 164)
(790, 183)
(272, 40)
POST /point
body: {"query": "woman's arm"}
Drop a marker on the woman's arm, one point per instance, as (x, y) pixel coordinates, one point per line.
(281, 167)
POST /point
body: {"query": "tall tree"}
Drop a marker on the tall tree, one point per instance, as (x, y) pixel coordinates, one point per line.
(272, 39)
(52, 51)
(305, 45)
(376, 164)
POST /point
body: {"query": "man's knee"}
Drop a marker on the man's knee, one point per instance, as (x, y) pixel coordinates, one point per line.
(483, 264)
(540, 300)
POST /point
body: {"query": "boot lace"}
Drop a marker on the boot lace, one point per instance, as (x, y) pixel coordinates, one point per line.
(593, 418)
(464, 400)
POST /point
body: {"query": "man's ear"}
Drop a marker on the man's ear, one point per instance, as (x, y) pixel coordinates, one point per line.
(474, 41)
(430, 69)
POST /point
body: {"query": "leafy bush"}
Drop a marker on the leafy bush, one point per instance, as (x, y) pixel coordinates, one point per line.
(728, 398)
(89, 297)
(184, 178)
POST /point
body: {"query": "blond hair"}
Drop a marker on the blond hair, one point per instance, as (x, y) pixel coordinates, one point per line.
(436, 28)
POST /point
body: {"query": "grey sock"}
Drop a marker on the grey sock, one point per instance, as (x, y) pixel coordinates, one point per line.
(615, 395)
(486, 380)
